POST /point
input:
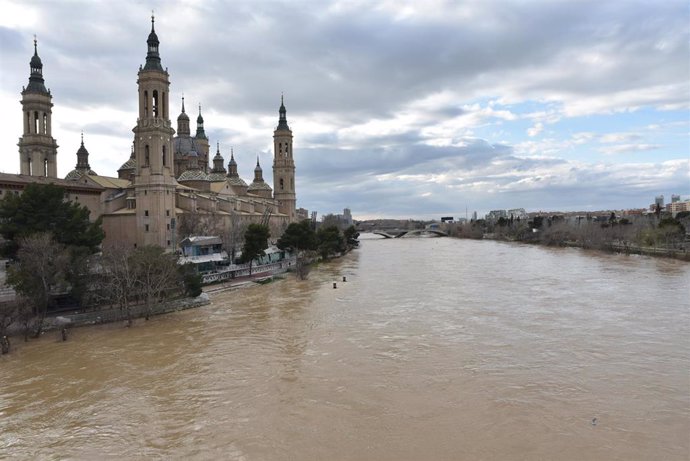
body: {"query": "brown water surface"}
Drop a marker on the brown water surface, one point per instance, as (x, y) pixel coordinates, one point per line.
(434, 349)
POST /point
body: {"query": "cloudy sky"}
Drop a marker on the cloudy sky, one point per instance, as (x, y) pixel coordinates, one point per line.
(398, 109)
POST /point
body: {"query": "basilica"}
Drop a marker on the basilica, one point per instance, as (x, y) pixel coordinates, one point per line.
(166, 178)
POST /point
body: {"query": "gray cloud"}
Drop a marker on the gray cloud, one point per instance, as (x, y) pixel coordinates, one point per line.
(346, 67)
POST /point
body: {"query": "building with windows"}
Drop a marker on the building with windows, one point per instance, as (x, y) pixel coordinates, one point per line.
(166, 177)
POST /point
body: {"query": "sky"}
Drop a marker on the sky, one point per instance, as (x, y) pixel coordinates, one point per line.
(399, 109)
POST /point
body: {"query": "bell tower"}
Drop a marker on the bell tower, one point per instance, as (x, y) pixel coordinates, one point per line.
(37, 147)
(154, 181)
(284, 166)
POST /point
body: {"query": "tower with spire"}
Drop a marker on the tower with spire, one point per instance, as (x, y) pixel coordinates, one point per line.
(202, 142)
(259, 187)
(154, 181)
(37, 147)
(284, 166)
(218, 173)
(83, 166)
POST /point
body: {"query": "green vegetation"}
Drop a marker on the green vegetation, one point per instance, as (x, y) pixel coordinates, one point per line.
(43, 208)
(650, 234)
(50, 241)
(255, 242)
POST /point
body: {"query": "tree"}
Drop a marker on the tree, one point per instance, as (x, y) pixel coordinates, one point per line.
(233, 235)
(255, 242)
(300, 238)
(155, 274)
(191, 279)
(197, 223)
(43, 208)
(331, 241)
(351, 236)
(118, 277)
(39, 273)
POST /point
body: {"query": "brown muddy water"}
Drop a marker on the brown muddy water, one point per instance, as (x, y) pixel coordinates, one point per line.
(434, 349)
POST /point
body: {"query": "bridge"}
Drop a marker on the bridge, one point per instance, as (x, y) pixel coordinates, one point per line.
(399, 233)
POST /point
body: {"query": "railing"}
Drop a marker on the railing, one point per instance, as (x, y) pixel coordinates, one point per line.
(242, 270)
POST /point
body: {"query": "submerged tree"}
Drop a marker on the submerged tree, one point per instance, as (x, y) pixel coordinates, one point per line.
(331, 241)
(39, 273)
(300, 238)
(118, 276)
(155, 273)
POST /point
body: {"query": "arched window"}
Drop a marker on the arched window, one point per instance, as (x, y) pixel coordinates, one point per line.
(45, 167)
(292, 183)
(36, 130)
(31, 167)
(45, 123)
(154, 104)
(146, 103)
(163, 155)
(164, 105)
(281, 184)
(28, 122)
(286, 149)
(146, 155)
(280, 147)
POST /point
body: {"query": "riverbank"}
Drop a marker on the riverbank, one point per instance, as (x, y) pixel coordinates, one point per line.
(609, 247)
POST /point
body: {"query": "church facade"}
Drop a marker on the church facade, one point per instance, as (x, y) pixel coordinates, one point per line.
(167, 177)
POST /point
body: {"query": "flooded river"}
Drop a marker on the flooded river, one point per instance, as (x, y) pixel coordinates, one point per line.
(434, 349)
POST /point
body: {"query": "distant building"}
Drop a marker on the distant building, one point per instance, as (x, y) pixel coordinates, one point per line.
(676, 207)
(495, 215)
(302, 214)
(659, 200)
(347, 217)
(675, 198)
(474, 216)
(517, 213)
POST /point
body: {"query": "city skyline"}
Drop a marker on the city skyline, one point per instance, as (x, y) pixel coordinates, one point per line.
(398, 111)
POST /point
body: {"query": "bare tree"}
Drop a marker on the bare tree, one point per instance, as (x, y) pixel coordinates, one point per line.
(119, 278)
(199, 223)
(233, 234)
(39, 273)
(12, 312)
(156, 274)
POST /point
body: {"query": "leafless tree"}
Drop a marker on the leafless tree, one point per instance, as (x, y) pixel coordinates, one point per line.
(156, 274)
(12, 312)
(233, 234)
(199, 223)
(119, 278)
(39, 273)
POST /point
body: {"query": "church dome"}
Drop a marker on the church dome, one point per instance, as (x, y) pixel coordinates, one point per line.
(78, 173)
(258, 186)
(217, 176)
(236, 181)
(184, 145)
(130, 164)
(193, 175)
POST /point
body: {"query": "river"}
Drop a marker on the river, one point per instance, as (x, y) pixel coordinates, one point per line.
(434, 349)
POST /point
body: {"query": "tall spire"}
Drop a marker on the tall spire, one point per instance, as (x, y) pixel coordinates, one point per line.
(282, 120)
(153, 59)
(36, 82)
(200, 133)
(183, 122)
(82, 155)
